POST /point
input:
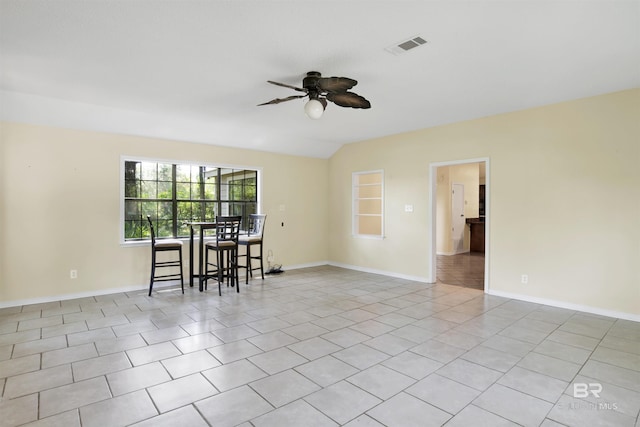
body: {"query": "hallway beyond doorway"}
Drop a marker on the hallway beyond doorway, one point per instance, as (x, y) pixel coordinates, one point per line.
(465, 269)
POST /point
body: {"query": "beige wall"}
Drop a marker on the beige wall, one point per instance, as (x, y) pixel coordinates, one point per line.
(61, 208)
(564, 203)
(564, 200)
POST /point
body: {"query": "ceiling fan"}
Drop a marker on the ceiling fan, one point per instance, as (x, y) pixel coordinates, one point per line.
(322, 89)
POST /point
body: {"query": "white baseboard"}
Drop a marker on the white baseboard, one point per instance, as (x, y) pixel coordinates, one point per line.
(308, 265)
(381, 272)
(65, 297)
(568, 305)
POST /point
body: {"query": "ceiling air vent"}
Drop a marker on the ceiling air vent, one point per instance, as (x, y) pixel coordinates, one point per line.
(406, 45)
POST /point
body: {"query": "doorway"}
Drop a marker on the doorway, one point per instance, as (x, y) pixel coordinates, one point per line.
(457, 207)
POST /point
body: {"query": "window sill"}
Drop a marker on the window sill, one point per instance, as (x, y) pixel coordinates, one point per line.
(136, 243)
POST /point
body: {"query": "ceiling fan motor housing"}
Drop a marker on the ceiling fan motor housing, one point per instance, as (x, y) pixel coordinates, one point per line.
(310, 82)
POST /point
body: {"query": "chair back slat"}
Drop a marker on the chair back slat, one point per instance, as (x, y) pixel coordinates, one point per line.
(256, 224)
(228, 228)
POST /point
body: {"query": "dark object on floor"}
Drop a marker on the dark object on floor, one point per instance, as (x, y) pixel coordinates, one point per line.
(276, 269)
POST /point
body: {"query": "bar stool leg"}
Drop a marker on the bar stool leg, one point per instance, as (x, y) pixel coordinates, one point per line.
(181, 274)
(220, 258)
(261, 262)
(153, 271)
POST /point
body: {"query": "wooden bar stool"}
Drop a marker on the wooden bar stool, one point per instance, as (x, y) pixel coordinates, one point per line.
(225, 245)
(253, 237)
(164, 245)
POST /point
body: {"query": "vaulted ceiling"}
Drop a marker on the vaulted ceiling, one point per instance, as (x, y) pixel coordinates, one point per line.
(195, 70)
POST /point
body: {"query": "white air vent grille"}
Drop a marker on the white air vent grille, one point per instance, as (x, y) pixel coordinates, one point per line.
(406, 45)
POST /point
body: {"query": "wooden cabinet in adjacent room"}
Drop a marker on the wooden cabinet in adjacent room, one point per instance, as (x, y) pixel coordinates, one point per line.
(477, 234)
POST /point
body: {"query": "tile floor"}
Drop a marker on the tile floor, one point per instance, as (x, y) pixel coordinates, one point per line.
(321, 346)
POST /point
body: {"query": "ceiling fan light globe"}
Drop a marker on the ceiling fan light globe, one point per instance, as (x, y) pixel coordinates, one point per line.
(314, 109)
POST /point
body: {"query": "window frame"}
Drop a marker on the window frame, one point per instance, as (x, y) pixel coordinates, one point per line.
(355, 199)
(124, 159)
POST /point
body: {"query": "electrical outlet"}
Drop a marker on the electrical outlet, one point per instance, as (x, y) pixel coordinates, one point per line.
(524, 279)
(73, 274)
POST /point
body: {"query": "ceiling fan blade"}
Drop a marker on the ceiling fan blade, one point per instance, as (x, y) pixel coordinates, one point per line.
(335, 84)
(299, 89)
(279, 100)
(348, 99)
(323, 101)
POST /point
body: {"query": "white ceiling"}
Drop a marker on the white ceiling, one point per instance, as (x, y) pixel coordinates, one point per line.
(195, 70)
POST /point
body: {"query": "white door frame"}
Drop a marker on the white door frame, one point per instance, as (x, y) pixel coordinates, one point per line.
(431, 220)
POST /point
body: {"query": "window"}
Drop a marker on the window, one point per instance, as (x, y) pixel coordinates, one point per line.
(368, 203)
(174, 193)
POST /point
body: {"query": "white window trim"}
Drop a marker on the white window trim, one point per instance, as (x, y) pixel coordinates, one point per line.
(125, 158)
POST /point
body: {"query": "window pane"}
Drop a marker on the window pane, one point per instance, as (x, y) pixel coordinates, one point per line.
(132, 210)
(131, 170)
(183, 230)
(149, 171)
(195, 191)
(132, 230)
(224, 192)
(250, 191)
(210, 191)
(165, 172)
(165, 210)
(236, 208)
(164, 228)
(149, 190)
(211, 175)
(131, 189)
(183, 191)
(235, 190)
(183, 173)
(149, 208)
(165, 190)
(185, 211)
(210, 211)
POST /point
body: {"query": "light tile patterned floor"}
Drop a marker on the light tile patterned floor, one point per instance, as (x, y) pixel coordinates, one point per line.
(319, 346)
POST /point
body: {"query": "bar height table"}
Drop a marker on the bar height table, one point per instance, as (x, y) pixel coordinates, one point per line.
(202, 225)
